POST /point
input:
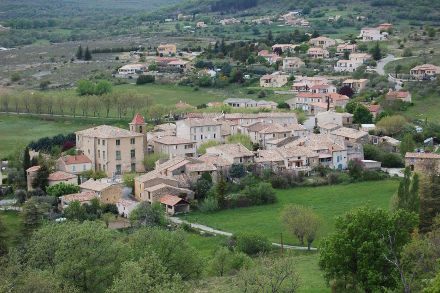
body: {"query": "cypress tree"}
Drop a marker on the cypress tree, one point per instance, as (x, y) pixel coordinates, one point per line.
(79, 53)
(221, 189)
(87, 54)
(26, 160)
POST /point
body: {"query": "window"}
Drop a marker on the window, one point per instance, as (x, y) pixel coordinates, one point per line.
(133, 167)
(103, 155)
(201, 136)
(195, 137)
(132, 140)
(140, 128)
(133, 154)
(241, 160)
(214, 135)
(103, 142)
(74, 168)
(118, 155)
(99, 141)
(99, 166)
(209, 128)
(175, 147)
(99, 154)
(84, 167)
(118, 142)
(118, 169)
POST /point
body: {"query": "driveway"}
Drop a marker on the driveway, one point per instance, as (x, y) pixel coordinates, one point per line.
(228, 234)
(394, 171)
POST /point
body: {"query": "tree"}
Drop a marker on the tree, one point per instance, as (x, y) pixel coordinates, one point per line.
(150, 161)
(3, 247)
(243, 139)
(89, 174)
(61, 189)
(148, 215)
(148, 274)
(26, 160)
(36, 281)
(259, 194)
(407, 145)
(202, 148)
(87, 55)
(251, 243)
(302, 222)
(429, 193)
(75, 211)
(31, 216)
(376, 52)
(219, 264)
(79, 52)
(270, 275)
(355, 252)
(85, 87)
(391, 125)
(128, 179)
(144, 79)
(300, 116)
(171, 247)
(221, 189)
(407, 197)
(362, 115)
(103, 87)
(41, 179)
(346, 90)
(106, 218)
(237, 171)
(202, 187)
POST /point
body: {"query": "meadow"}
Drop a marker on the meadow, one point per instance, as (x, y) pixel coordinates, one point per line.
(327, 201)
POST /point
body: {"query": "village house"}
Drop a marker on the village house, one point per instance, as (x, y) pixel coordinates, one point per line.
(174, 146)
(184, 105)
(347, 65)
(126, 206)
(298, 158)
(395, 95)
(423, 162)
(317, 53)
(323, 89)
(74, 164)
(31, 174)
(327, 127)
(275, 79)
(243, 119)
(270, 159)
(304, 83)
(374, 109)
(424, 71)
(385, 27)
(138, 125)
(58, 177)
(352, 140)
(356, 84)
(240, 103)
(298, 130)
(362, 58)
(303, 101)
(132, 69)
(155, 193)
(167, 49)
(263, 104)
(283, 48)
(85, 197)
(179, 64)
(269, 57)
(229, 21)
(341, 119)
(291, 64)
(338, 100)
(201, 24)
(323, 42)
(319, 107)
(261, 133)
(233, 153)
(372, 34)
(111, 149)
(342, 48)
(106, 190)
(174, 204)
(199, 130)
(263, 20)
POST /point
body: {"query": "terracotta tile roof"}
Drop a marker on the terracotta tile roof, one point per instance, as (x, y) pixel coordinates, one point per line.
(397, 95)
(268, 156)
(33, 169)
(319, 86)
(200, 167)
(234, 150)
(60, 175)
(310, 95)
(172, 140)
(201, 122)
(422, 155)
(95, 185)
(106, 131)
(171, 200)
(215, 160)
(181, 104)
(373, 108)
(137, 119)
(349, 132)
(338, 97)
(81, 197)
(75, 159)
(126, 202)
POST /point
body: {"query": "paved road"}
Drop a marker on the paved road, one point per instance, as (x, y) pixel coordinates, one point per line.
(380, 68)
(228, 234)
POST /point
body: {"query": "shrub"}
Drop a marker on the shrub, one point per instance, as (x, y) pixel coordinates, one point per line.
(251, 243)
(109, 208)
(209, 205)
(61, 189)
(259, 194)
(278, 181)
(390, 160)
(143, 79)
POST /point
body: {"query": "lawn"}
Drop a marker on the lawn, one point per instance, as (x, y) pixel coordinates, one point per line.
(11, 220)
(327, 201)
(17, 131)
(425, 108)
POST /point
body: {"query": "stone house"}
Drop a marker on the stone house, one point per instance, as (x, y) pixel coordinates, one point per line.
(105, 189)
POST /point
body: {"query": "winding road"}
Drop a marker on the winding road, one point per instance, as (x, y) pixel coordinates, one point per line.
(228, 234)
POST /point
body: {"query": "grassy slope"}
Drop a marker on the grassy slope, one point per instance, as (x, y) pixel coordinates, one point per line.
(327, 201)
(17, 131)
(11, 220)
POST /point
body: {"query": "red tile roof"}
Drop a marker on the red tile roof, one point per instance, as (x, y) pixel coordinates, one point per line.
(33, 169)
(397, 95)
(60, 175)
(137, 119)
(171, 200)
(373, 108)
(76, 159)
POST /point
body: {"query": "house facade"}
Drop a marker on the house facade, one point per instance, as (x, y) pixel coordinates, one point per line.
(424, 71)
(199, 130)
(291, 64)
(318, 53)
(167, 49)
(75, 164)
(275, 79)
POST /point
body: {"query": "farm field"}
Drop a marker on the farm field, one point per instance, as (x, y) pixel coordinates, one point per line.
(18, 130)
(327, 201)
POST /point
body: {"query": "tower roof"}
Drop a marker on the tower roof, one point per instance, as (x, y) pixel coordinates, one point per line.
(137, 119)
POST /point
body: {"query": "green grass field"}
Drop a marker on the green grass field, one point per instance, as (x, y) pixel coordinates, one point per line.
(11, 220)
(17, 131)
(327, 201)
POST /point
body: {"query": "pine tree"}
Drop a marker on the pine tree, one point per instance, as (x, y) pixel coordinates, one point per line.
(26, 160)
(376, 52)
(79, 53)
(87, 54)
(221, 189)
(269, 37)
(429, 200)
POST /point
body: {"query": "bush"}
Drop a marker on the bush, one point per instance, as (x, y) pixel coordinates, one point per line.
(390, 160)
(259, 194)
(277, 181)
(143, 79)
(251, 243)
(109, 208)
(209, 205)
(61, 189)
